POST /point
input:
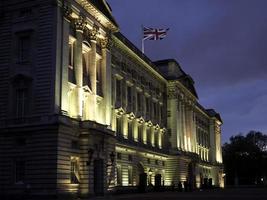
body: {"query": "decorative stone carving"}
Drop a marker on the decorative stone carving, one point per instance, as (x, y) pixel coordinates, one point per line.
(93, 33)
(106, 43)
(80, 23)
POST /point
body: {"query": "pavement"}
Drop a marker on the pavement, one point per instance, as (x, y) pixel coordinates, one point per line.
(216, 194)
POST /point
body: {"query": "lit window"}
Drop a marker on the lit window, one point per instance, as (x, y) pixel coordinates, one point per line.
(19, 171)
(74, 171)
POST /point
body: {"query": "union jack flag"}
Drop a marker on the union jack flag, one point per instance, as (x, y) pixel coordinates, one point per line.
(154, 33)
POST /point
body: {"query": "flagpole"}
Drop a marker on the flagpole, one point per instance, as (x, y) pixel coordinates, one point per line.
(142, 36)
(143, 46)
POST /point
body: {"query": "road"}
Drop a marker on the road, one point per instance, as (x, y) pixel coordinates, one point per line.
(222, 194)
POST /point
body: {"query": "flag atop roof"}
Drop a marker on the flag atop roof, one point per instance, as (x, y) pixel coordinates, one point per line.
(154, 33)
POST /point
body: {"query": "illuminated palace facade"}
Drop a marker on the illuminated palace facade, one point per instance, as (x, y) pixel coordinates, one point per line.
(83, 111)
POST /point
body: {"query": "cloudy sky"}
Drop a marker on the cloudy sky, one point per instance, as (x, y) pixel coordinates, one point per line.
(222, 44)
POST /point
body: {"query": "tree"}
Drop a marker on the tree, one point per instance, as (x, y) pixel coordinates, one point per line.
(245, 159)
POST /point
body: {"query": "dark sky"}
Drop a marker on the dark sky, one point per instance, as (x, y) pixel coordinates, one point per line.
(222, 44)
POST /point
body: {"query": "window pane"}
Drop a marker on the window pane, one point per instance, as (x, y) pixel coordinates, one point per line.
(74, 171)
(21, 102)
(24, 48)
(118, 90)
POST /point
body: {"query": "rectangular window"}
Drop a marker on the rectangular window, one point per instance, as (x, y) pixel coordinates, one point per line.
(24, 48)
(119, 178)
(118, 126)
(118, 90)
(130, 175)
(147, 105)
(129, 96)
(119, 156)
(130, 158)
(74, 171)
(139, 101)
(21, 102)
(19, 171)
(155, 109)
(85, 70)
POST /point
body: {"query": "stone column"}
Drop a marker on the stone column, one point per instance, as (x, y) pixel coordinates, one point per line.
(79, 25)
(194, 133)
(184, 127)
(180, 125)
(92, 71)
(65, 60)
(106, 79)
(152, 136)
(160, 135)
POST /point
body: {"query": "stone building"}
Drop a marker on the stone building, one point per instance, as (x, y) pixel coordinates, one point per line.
(84, 112)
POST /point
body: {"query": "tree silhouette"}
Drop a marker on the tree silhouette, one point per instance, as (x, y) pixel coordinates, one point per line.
(245, 159)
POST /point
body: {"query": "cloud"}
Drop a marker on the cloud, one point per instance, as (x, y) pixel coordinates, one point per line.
(221, 44)
(242, 106)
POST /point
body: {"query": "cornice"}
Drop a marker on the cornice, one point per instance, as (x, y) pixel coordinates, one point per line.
(100, 17)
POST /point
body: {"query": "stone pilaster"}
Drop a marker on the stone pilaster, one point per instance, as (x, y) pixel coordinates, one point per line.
(66, 11)
(79, 26)
(92, 71)
(106, 78)
(184, 123)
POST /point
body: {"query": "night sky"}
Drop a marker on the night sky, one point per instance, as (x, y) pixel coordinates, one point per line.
(222, 44)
